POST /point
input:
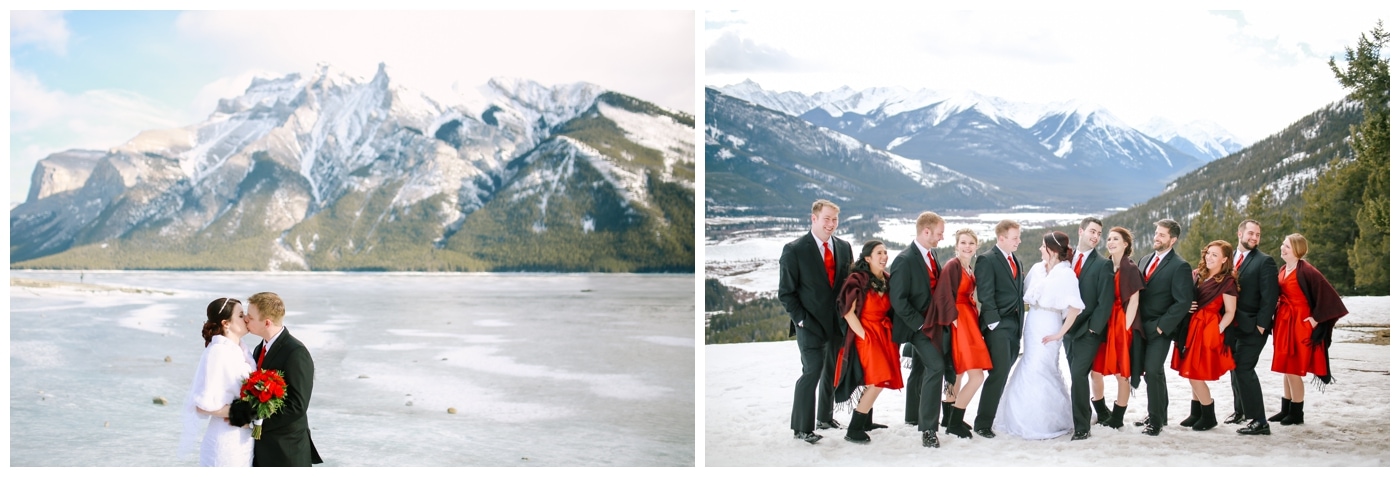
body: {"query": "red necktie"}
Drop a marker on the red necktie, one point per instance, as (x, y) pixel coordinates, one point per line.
(1153, 266)
(932, 273)
(1078, 262)
(1239, 262)
(1012, 261)
(830, 264)
(262, 355)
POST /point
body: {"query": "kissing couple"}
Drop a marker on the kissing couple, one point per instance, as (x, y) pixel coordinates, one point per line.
(226, 364)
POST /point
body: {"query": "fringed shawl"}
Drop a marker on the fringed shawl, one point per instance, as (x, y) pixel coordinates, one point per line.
(1325, 306)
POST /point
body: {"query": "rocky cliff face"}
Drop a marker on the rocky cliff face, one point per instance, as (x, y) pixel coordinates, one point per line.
(62, 172)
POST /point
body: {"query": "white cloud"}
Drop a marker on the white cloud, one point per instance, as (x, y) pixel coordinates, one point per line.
(43, 29)
(44, 121)
(645, 54)
(1253, 72)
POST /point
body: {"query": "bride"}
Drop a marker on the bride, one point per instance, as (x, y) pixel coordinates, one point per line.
(222, 370)
(1036, 402)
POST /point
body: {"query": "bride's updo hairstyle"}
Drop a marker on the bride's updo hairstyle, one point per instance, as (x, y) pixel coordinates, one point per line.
(1057, 243)
(218, 311)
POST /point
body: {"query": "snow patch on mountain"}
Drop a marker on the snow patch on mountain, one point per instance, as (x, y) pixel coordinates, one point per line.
(674, 140)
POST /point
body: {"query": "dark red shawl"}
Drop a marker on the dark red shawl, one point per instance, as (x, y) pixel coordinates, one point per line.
(1325, 306)
(1209, 289)
(944, 310)
(1129, 282)
(849, 375)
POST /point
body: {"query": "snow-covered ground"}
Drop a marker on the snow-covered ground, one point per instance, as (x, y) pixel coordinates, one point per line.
(748, 401)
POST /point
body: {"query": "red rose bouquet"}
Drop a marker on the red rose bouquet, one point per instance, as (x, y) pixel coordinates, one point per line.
(264, 390)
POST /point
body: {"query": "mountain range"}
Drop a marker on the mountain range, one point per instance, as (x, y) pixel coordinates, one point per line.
(1066, 155)
(325, 171)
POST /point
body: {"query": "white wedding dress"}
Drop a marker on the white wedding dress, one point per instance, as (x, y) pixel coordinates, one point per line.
(1035, 404)
(222, 370)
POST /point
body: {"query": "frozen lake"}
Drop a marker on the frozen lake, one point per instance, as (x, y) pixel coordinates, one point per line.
(749, 260)
(543, 370)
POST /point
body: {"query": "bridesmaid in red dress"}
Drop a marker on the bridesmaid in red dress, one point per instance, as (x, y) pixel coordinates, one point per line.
(865, 297)
(953, 296)
(1308, 308)
(1204, 356)
(1113, 358)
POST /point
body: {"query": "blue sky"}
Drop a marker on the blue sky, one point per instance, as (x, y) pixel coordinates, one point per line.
(1253, 72)
(94, 79)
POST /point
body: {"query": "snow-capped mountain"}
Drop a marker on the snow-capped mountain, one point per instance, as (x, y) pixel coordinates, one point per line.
(1089, 136)
(1069, 153)
(764, 160)
(329, 171)
(1205, 140)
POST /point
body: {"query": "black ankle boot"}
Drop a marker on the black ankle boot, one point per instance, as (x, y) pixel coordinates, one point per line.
(1101, 412)
(1116, 420)
(1295, 415)
(956, 426)
(1195, 414)
(1282, 412)
(947, 409)
(1207, 420)
(855, 431)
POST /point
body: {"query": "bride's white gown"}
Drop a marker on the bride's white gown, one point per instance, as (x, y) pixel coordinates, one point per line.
(1035, 404)
(222, 370)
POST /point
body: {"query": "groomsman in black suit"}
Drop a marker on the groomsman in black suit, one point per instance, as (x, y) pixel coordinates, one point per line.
(810, 270)
(1254, 317)
(1165, 304)
(1000, 289)
(1083, 339)
(912, 277)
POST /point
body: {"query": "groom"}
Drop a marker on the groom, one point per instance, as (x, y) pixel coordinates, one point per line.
(1000, 279)
(286, 436)
(1086, 335)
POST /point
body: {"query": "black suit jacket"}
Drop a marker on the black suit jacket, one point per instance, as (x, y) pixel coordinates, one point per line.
(803, 288)
(1000, 294)
(1096, 290)
(1258, 279)
(1166, 301)
(910, 294)
(286, 436)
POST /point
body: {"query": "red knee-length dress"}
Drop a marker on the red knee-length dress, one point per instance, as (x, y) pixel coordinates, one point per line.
(879, 358)
(969, 348)
(1293, 353)
(1205, 356)
(1114, 356)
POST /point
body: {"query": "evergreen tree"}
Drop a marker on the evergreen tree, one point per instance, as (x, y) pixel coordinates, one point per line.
(1367, 75)
(1329, 220)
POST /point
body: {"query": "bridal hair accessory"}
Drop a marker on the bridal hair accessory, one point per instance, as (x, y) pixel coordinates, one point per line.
(221, 306)
(1057, 240)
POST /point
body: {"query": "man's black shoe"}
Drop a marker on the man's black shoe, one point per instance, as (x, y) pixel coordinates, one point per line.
(1256, 428)
(930, 439)
(1079, 436)
(832, 424)
(987, 433)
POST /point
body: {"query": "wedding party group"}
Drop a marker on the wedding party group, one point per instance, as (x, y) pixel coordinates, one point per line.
(250, 406)
(988, 321)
